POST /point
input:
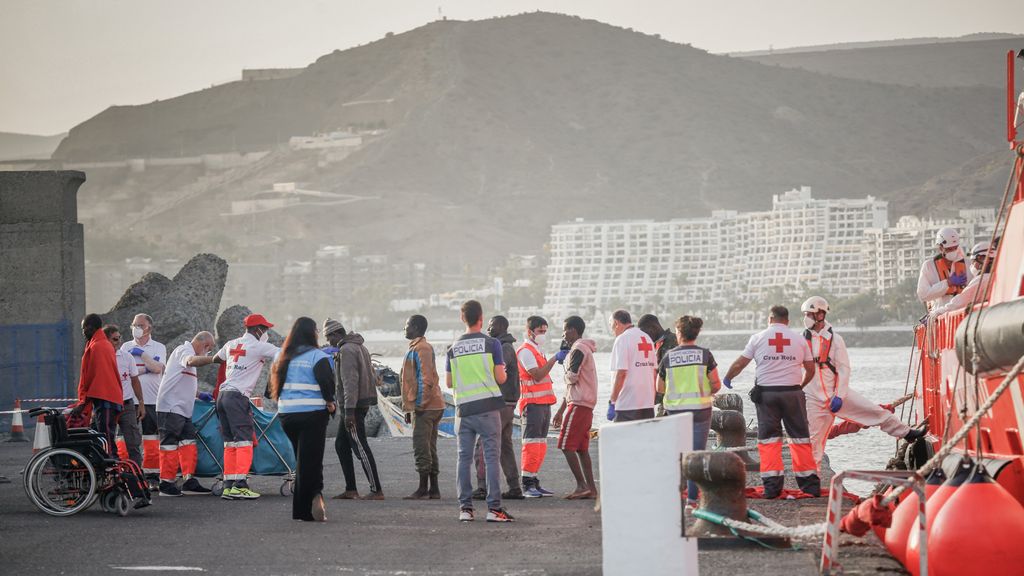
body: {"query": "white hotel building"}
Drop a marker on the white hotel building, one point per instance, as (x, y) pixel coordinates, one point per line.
(727, 257)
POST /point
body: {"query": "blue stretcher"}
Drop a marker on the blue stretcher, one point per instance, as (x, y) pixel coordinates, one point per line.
(272, 454)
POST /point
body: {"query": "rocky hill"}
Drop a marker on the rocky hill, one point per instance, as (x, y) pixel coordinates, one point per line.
(495, 129)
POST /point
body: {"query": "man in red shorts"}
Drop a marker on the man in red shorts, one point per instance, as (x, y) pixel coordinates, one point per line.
(576, 413)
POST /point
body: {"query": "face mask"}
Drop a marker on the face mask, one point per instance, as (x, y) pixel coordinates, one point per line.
(955, 255)
(809, 322)
(540, 339)
(137, 332)
(975, 269)
(265, 336)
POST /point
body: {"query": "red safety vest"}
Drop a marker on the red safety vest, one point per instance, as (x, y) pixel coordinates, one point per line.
(534, 392)
(943, 267)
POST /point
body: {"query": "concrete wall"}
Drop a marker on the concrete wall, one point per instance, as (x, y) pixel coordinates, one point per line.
(42, 254)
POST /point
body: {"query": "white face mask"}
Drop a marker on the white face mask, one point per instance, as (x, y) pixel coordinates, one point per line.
(265, 336)
(540, 339)
(975, 269)
(955, 255)
(137, 332)
(809, 322)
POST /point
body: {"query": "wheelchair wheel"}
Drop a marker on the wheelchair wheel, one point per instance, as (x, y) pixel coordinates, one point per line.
(108, 501)
(124, 503)
(60, 482)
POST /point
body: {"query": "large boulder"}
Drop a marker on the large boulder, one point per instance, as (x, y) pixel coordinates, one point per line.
(180, 307)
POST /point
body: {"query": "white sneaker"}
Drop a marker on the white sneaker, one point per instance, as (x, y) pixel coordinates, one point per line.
(466, 515)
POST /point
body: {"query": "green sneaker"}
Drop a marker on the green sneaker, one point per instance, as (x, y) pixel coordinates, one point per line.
(244, 494)
(229, 493)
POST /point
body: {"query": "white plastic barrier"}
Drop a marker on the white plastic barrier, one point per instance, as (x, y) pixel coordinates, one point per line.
(641, 511)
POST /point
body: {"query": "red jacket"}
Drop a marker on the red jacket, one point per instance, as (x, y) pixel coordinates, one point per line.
(99, 377)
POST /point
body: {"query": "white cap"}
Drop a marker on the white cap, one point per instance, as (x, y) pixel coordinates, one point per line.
(814, 304)
(947, 238)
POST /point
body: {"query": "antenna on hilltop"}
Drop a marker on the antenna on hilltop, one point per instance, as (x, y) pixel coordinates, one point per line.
(440, 15)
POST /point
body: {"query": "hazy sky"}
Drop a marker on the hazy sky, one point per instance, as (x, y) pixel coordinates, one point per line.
(63, 61)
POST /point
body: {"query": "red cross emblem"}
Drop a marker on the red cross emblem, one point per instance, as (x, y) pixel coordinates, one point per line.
(124, 376)
(779, 342)
(236, 352)
(645, 347)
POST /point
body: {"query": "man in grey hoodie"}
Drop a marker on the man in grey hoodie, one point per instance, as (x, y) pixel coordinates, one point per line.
(357, 391)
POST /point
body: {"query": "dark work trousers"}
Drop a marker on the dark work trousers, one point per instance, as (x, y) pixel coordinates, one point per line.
(104, 421)
(345, 445)
(509, 466)
(785, 406)
(128, 422)
(634, 415)
(307, 432)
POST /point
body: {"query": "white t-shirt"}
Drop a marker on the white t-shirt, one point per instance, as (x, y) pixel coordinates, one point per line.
(179, 385)
(126, 369)
(244, 359)
(779, 352)
(634, 352)
(150, 381)
(526, 358)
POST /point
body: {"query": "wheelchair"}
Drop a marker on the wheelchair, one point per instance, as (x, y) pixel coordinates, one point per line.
(76, 471)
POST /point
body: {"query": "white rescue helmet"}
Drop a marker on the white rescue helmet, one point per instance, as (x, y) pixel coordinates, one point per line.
(981, 250)
(814, 304)
(947, 238)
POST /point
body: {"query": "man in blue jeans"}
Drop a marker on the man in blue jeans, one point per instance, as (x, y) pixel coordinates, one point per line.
(688, 378)
(474, 370)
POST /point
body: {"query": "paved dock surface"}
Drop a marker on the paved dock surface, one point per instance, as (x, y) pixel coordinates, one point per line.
(392, 537)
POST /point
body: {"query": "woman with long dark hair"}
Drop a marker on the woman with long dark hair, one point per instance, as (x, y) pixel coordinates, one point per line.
(302, 382)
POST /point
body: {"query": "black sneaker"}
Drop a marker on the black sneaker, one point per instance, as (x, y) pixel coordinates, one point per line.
(169, 489)
(513, 494)
(192, 487)
(480, 494)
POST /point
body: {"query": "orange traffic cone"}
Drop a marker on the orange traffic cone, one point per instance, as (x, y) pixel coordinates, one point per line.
(17, 425)
(42, 439)
(933, 505)
(978, 531)
(904, 519)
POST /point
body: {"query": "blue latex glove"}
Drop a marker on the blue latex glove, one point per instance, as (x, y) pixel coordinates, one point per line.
(205, 396)
(958, 279)
(727, 383)
(157, 358)
(137, 351)
(835, 404)
(560, 355)
(611, 411)
(332, 350)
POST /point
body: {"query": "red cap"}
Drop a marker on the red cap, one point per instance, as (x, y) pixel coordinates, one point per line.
(257, 320)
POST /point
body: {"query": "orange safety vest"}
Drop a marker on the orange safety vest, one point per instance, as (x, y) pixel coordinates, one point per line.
(534, 392)
(823, 360)
(943, 267)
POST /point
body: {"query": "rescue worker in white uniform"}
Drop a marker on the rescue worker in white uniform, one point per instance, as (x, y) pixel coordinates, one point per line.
(982, 258)
(946, 274)
(829, 394)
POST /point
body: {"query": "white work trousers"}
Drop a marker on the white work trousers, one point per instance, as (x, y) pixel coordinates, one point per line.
(856, 408)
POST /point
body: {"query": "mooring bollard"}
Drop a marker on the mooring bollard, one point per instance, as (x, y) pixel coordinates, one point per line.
(729, 401)
(722, 479)
(731, 429)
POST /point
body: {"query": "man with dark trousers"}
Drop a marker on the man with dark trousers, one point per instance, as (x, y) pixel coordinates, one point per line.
(780, 354)
(497, 328)
(353, 371)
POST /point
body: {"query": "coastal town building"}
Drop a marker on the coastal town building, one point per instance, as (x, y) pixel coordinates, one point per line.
(729, 256)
